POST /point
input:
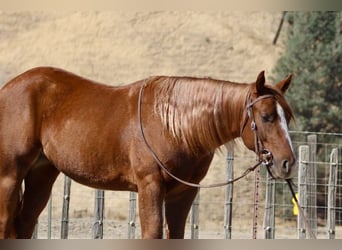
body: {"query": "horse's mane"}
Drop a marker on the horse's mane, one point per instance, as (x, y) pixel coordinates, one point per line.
(202, 111)
(194, 111)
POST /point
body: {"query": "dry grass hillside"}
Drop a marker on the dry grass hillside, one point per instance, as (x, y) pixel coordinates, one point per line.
(121, 47)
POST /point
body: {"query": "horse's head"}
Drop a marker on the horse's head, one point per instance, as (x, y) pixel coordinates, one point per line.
(264, 128)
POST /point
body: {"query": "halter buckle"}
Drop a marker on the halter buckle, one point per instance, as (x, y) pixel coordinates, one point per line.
(253, 125)
(266, 158)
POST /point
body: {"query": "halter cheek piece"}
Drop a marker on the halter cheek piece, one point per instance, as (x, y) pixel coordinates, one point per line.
(263, 155)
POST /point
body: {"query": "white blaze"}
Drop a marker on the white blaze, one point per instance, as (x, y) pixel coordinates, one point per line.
(283, 124)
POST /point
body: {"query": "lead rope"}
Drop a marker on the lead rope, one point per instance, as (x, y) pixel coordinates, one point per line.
(256, 202)
(257, 173)
(301, 211)
(257, 146)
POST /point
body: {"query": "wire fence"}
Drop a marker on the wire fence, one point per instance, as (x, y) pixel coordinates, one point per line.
(76, 211)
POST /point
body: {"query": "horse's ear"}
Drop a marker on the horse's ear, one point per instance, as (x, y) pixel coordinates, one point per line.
(284, 84)
(260, 82)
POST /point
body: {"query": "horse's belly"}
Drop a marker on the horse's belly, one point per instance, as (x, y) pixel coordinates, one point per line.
(95, 169)
(89, 159)
(109, 178)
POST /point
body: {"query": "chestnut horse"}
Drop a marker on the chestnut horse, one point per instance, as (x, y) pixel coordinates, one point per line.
(53, 121)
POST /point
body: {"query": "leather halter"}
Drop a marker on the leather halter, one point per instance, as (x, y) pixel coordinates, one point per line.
(263, 154)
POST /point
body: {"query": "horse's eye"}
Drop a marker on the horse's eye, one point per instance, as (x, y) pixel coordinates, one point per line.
(267, 117)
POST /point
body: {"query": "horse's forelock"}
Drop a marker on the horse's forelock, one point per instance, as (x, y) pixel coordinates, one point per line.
(280, 98)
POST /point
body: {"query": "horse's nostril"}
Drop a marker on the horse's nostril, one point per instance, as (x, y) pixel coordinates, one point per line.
(286, 166)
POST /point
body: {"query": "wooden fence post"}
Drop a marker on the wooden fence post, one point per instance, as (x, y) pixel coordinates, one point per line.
(65, 212)
(35, 231)
(302, 184)
(132, 215)
(49, 217)
(98, 211)
(228, 205)
(332, 193)
(194, 219)
(312, 183)
(269, 217)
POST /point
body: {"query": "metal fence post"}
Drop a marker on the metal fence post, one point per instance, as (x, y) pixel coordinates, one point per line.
(65, 212)
(332, 193)
(98, 218)
(228, 205)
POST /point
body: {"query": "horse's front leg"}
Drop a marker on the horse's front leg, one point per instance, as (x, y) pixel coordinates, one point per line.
(151, 195)
(177, 207)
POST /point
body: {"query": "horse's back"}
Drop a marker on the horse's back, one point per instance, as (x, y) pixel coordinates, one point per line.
(47, 91)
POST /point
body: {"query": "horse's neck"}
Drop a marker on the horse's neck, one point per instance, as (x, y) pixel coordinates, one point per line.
(211, 119)
(234, 107)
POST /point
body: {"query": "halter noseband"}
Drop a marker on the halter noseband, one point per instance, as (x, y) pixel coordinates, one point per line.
(263, 155)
